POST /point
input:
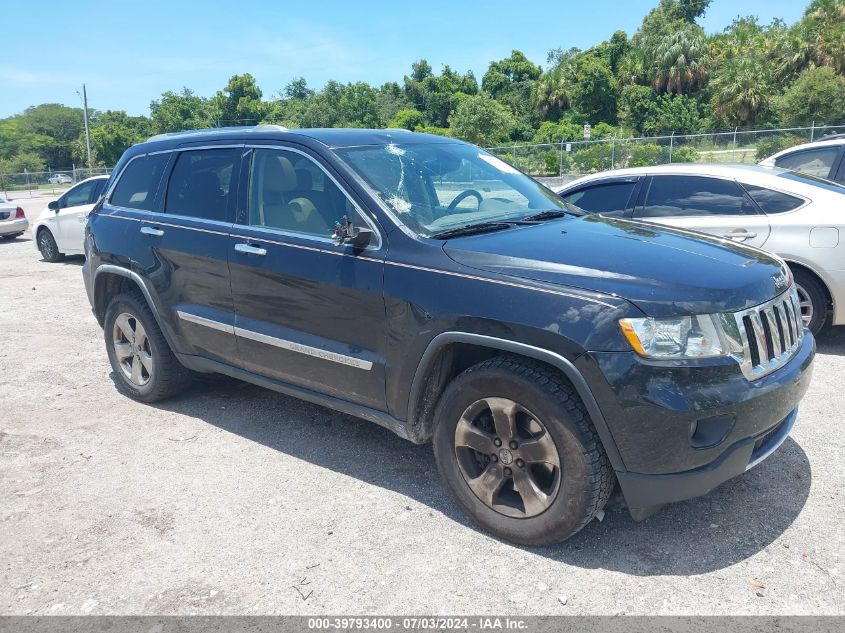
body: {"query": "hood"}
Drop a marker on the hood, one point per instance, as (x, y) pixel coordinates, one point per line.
(663, 271)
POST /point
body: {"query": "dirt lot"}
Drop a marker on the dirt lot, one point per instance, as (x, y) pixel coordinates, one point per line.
(232, 499)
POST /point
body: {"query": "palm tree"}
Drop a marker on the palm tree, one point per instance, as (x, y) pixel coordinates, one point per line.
(742, 89)
(679, 60)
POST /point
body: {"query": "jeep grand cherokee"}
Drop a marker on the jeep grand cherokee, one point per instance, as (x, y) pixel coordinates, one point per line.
(425, 285)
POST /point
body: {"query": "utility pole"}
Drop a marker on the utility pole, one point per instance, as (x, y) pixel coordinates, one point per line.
(87, 131)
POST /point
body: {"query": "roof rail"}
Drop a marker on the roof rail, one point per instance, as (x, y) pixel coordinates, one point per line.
(263, 127)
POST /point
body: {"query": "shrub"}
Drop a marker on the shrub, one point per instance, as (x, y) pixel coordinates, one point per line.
(551, 162)
(643, 155)
(773, 144)
(684, 154)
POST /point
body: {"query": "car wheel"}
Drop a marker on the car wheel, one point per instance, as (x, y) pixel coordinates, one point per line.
(145, 367)
(813, 301)
(48, 247)
(518, 452)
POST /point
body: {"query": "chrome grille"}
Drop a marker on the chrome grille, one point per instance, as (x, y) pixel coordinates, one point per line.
(769, 334)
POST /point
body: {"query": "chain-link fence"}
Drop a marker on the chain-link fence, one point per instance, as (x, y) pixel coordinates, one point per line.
(45, 182)
(583, 157)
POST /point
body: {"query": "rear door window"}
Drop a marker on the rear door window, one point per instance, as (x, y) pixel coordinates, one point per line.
(610, 198)
(201, 182)
(816, 162)
(772, 201)
(137, 186)
(683, 196)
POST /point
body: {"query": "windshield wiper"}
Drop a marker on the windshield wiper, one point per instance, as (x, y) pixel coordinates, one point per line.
(551, 214)
(471, 229)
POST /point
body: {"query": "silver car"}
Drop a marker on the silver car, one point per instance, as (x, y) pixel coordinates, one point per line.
(796, 216)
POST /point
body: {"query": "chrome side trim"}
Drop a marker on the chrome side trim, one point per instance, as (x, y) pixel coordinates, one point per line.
(210, 323)
(304, 349)
(281, 343)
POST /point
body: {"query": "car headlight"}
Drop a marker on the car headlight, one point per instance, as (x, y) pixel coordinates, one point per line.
(701, 336)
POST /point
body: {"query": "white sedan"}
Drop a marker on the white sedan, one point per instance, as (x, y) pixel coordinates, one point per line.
(59, 230)
(796, 216)
(13, 221)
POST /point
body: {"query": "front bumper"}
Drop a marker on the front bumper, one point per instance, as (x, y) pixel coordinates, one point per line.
(656, 412)
(9, 227)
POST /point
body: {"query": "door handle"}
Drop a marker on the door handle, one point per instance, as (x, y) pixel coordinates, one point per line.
(149, 230)
(739, 235)
(249, 249)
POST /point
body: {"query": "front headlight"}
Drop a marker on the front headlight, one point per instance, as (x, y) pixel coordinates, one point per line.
(700, 336)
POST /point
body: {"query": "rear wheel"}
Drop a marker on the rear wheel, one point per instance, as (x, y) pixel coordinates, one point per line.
(146, 368)
(48, 247)
(518, 453)
(813, 301)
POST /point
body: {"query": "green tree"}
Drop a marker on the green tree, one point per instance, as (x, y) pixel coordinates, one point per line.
(437, 96)
(593, 94)
(817, 95)
(174, 112)
(58, 123)
(741, 90)
(482, 120)
(409, 119)
(239, 103)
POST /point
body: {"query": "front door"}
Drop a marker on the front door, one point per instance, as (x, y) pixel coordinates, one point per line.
(717, 206)
(309, 312)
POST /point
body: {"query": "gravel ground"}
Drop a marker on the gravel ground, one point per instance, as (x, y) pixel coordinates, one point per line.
(233, 499)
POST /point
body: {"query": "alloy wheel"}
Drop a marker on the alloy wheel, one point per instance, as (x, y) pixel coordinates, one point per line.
(132, 349)
(45, 245)
(507, 457)
(806, 305)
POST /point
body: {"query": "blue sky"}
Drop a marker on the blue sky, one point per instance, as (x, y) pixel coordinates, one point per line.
(130, 52)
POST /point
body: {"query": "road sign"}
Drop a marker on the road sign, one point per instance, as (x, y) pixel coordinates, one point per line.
(587, 131)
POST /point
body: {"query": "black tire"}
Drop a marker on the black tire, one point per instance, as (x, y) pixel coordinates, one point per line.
(586, 479)
(11, 236)
(48, 247)
(812, 289)
(168, 376)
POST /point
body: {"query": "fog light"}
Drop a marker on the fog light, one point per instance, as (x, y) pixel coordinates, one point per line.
(711, 431)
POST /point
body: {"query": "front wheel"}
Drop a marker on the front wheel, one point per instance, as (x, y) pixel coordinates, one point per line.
(48, 247)
(145, 367)
(812, 300)
(518, 452)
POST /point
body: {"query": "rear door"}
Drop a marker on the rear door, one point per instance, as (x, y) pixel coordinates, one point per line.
(74, 207)
(309, 312)
(718, 206)
(185, 247)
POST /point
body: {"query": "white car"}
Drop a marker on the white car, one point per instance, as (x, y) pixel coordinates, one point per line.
(823, 159)
(13, 221)
(796, 216)
(59, 230)
(59, 179)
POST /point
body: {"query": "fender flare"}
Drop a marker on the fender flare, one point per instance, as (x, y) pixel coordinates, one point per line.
(138, 281)
(523, 349)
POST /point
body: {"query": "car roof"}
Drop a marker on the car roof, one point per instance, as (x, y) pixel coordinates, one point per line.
(774, 177)
(330, 137)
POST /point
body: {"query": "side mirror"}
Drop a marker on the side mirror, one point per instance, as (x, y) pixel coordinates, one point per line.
(54, 205)
(347, 233)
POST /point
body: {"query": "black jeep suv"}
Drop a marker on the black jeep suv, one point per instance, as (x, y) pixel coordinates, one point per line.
(423, 284)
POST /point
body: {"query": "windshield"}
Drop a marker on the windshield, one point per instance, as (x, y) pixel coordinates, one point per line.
(434, 187)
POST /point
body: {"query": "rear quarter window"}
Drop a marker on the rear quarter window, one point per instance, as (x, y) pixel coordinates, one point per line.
(772, 201)
(137, 185)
